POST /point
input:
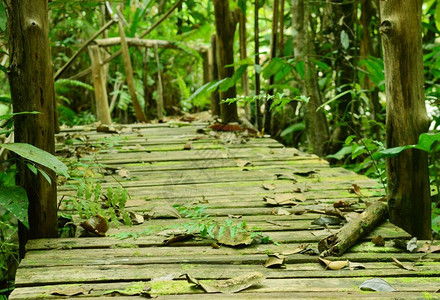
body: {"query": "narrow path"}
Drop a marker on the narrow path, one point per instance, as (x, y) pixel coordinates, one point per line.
(227, 176)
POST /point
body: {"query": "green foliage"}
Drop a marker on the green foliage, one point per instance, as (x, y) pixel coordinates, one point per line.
(3, 18)
(90, 201)
(38, 156)
(14, 200)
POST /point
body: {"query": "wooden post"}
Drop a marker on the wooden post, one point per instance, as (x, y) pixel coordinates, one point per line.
(159, 86)
(215, 96)
(407, 174)
(101, 98)
(32, 89)
(140, 115)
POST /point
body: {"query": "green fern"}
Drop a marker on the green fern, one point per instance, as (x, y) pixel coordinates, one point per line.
(63, 85)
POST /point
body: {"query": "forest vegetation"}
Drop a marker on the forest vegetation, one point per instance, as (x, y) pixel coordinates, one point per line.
(312, 74)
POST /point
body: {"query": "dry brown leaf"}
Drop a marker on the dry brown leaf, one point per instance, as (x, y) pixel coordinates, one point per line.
(356, 189)
(163, 212)
(281, 212)
(96, 224)
(286, 177)
(428, 248)
(269, 187)
(235, 216)
(229, 286)
(334, 265)
(243, 163)
(275, 261)
(297, 250)
(341, 204)
(136, 219)
(188, 146)
(401, 265)
(124, 173)
(106, 128)
(355, 266)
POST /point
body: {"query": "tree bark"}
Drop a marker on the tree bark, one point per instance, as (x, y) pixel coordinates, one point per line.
(159, 102)
(243, 56)
(226, 24)
(99, 83)
(317, 128)
(32, 89)
(407, 174)
(215, 96)
(257, 63)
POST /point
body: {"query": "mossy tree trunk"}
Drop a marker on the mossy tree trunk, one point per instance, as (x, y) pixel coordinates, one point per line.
(316, 122)
(407, 174)
(226, 24)
(32, 89)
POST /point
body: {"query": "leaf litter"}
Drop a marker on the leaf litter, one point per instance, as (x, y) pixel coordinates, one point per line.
(230, 286)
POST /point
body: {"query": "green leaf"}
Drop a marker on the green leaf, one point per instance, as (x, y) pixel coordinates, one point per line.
(14, 199)
(390, 152)
(9, 116)
(437, 16)
(345, 40)
(39, 156)
(3, 18)
(32, 168)
(333, 99)
(341, 154)
(3, 69)
(258, 68)
(45, 175)
(427, 141)
(293, 128)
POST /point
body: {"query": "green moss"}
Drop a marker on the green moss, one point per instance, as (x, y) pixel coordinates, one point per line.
(427, 295)
(173, 287)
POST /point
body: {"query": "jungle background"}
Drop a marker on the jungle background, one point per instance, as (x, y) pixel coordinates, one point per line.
(273, 86)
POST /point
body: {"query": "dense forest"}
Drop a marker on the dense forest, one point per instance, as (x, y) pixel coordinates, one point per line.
(333, 78)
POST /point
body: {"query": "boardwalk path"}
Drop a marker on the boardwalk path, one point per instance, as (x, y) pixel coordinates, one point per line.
(162, 174)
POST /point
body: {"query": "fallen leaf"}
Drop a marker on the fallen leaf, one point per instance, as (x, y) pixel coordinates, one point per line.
(229, 286)
(286, 177)
(334, 265)
(285, 199)
(243, 163)
(235, 216)
(341, 204)
(401, 265)
(240, 238)
(376, 285)
(124, 173)
(355, 266)
(356, 189)
(428, 248)
(226, 127)
(177, 238)
(163, 212)
(268, 187)
(106, 128)
(378, 240)
(281, 212)
(144, 293)
(70, 291)
(188, 146)
(215, 246)
(136, 219)
(274, 261)
(322, 221)
(297, 250)
(96, 224)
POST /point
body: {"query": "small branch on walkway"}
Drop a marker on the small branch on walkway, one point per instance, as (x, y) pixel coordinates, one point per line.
(336, 244)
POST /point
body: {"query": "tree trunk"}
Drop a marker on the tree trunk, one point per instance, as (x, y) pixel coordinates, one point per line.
(215, 97)
(226, 23)
(160, 105)
(273, 54)
(257, 63)
(243, 56)
(317, 128)
(407, 174)
(32, 89)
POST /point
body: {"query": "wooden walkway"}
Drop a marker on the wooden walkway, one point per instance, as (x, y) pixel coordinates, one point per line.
(230, 174)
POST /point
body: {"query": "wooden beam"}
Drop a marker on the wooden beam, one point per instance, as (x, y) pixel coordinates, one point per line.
(83, 46)
(140, 115)
(116, 41)
(101, 98)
